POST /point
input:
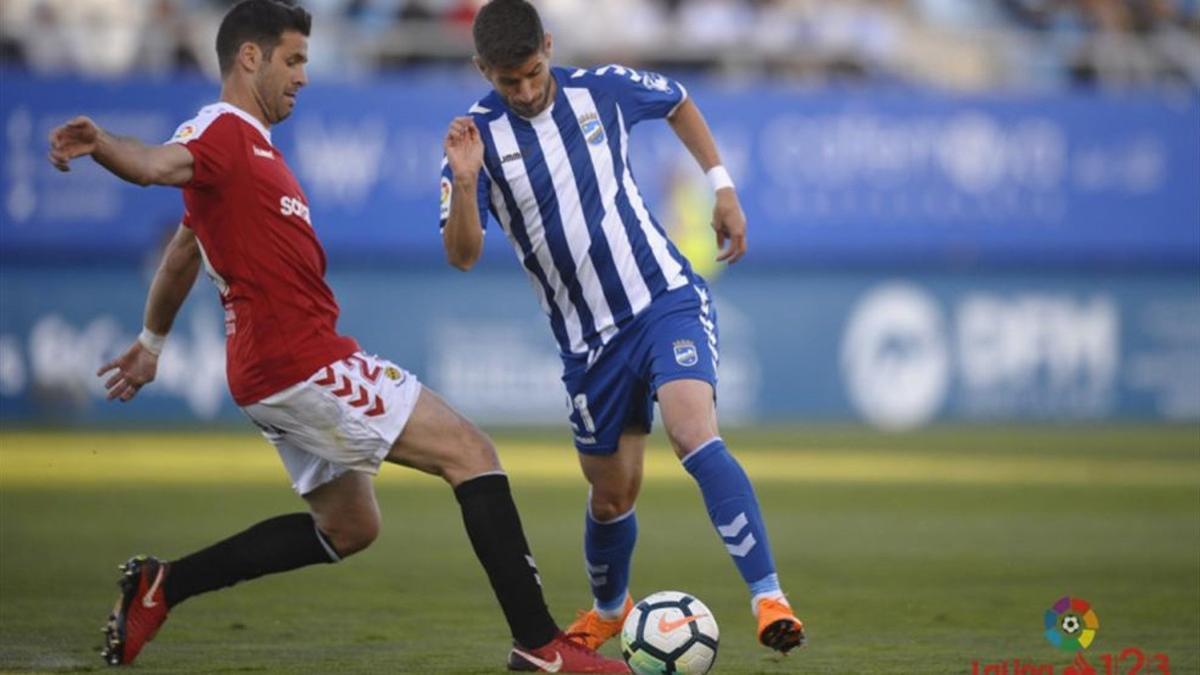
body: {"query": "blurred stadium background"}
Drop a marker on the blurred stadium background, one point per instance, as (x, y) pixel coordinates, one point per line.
(973, 281)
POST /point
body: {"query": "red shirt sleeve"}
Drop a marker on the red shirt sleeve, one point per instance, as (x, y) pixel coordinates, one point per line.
(214, 150)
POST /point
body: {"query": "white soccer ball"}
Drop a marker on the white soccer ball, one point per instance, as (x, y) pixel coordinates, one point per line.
(1070, 624)
(670, 632)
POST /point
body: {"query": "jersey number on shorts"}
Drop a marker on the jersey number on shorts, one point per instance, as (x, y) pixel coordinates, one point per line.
(581, 404)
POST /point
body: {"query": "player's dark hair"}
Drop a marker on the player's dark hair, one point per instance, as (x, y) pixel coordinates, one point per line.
(262, 22)
(507, 33)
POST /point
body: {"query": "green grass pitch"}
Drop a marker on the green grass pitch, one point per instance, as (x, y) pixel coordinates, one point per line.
(916, 553)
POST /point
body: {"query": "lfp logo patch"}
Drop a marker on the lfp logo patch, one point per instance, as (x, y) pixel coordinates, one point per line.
(446, 188)
(1071, 624)
(685, 353)
(185, 132)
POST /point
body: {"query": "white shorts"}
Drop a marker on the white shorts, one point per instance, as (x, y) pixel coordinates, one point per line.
(345, 417)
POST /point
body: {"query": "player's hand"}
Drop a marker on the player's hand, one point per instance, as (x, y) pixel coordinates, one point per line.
(73, 139)
(135, 369)
(730, 225)
(464, 147)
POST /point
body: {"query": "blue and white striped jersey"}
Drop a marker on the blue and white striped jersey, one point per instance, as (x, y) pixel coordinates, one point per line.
(561, 188)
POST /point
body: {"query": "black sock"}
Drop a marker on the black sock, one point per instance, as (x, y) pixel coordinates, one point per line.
(494, 528)
(275, 545)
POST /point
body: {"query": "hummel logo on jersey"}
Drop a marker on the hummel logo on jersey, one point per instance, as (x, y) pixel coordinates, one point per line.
(293, 206)
(262, 153)
(656, 82)
(548, 666)
(148, 599)
(510, 157)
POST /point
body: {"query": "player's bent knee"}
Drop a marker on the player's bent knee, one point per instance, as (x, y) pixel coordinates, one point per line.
(468, 466)
(351, 535)
(474, 454)
(607, 506)
(441, 442)
(347, 543)
(687, 437)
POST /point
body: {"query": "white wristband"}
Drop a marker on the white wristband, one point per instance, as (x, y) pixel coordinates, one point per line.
(719, 178)
(153, 342)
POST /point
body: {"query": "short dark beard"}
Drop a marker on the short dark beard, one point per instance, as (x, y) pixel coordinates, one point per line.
(547, 98)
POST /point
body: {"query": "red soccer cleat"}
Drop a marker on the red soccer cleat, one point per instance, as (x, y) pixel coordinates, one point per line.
(140, 610)
(563, 654)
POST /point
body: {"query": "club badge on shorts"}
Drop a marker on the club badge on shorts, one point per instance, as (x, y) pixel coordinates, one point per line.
(394, 374)
(685, 353)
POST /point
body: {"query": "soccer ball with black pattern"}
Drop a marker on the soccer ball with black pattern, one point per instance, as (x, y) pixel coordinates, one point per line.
(670, 632)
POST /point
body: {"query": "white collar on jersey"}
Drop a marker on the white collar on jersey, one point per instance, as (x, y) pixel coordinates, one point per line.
(544, 115)
(224, 107)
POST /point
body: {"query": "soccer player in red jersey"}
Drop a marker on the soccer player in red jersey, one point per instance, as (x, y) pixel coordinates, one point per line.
(333, 412)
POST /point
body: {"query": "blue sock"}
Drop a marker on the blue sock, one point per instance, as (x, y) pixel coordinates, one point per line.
(733, 509)
(608, 551)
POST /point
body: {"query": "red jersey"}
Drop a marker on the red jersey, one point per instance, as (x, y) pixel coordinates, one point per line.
(252, 221)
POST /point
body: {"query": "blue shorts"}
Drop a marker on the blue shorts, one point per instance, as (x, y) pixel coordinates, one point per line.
(675, 338)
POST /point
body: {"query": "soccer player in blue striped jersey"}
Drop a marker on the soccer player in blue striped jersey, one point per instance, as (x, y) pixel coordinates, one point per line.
(546, 154)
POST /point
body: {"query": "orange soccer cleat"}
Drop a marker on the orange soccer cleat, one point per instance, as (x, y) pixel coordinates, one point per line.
(593, 630)
(778, 627)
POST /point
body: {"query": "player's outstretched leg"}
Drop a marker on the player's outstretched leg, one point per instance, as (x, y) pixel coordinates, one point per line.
(151, 587)
(690, 417)
(494, 528)
(438, 440)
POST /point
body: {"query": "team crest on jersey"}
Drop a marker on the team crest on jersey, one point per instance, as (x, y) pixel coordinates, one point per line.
(593, 130)
(185, 132)
(445, 198)
(685, 353)
(393, 373)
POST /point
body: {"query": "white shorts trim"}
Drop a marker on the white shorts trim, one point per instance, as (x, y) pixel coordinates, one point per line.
(344, 417)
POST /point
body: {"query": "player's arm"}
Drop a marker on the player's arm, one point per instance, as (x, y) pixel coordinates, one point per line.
(462, 235)
(728, 221)
(127, 158)
(172, 282)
